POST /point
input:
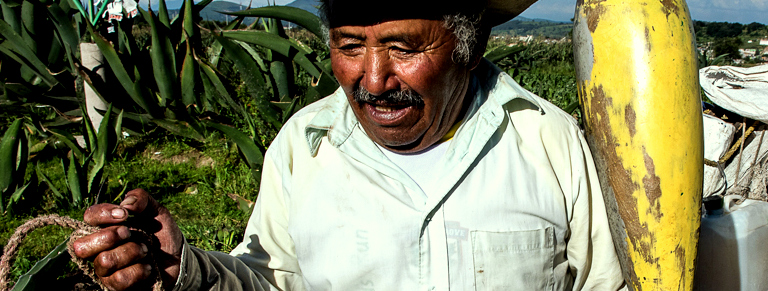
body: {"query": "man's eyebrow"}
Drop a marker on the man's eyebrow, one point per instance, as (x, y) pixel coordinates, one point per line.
(343, 34)
(399, 37)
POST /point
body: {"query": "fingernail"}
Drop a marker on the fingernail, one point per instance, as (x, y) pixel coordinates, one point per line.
(129, 201)
(118, 213)
(144, 249)
(123, 232)
(148, 269)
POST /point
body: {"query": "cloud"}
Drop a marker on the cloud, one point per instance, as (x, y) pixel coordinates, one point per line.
(743, 11)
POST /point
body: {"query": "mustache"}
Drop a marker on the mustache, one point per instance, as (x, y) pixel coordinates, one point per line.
(401, 97)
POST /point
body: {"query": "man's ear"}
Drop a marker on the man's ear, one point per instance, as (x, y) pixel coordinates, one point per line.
(475, 60)
(482, 43)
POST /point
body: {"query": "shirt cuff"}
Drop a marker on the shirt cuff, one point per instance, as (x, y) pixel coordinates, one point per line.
(189, 270)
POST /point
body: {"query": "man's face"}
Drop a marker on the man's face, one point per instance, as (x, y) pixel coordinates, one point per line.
(400, 80)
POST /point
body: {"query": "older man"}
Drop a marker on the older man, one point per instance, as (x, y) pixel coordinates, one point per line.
(429, 169)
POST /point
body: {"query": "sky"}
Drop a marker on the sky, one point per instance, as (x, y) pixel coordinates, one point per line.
(742, 11)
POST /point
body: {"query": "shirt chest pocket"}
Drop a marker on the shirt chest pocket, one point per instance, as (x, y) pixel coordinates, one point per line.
(514, 260)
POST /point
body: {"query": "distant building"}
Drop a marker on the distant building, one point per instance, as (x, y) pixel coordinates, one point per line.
(764, 55)
(747, 53)
(764, 41)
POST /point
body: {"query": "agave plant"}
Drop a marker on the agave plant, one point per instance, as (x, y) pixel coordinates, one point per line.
(38, 47)
(84, 166)
(281, 52)
(271, 70)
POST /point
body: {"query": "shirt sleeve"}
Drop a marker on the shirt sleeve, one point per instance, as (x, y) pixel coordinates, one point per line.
(266, 258)
(204, 270)
(591, 254)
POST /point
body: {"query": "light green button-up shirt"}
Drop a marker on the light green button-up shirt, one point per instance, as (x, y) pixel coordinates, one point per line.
(516, 205)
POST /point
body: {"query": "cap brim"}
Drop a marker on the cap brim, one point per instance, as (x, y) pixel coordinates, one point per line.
(500, 11)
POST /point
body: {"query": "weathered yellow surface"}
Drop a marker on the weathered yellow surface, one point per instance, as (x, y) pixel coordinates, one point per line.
(639, 90)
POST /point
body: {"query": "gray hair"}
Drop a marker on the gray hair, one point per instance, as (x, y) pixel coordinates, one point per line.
(466, 29)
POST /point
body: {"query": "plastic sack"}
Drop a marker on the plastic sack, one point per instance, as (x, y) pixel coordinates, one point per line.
(718, 136)
(740, 90)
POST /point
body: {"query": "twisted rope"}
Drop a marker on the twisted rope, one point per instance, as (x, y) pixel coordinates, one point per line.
(81, 229)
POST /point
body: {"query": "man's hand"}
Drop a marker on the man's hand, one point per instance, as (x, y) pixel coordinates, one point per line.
(118, 253)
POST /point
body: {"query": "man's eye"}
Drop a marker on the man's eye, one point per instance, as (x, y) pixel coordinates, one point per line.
(350, 47)
(402, 50)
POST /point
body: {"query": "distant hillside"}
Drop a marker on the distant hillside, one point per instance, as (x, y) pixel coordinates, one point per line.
(212, 11)
(537, 27)
(308, 5)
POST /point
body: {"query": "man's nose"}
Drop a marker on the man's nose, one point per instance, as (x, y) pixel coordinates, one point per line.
(378, 74)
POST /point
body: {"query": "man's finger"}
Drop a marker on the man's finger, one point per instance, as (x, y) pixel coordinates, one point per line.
(127, 277)
(110, 261)
(104, 214)
(102, 240)
(138, 201)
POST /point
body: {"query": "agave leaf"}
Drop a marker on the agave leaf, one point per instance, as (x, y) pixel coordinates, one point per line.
(40, 272)
(572, 107)
(290, 110)
(502, 52)
(66, 32)
(189, 19)
(181, 128)
(244, 63)
(119, 126)
(223, 96)
(279, 45)
(69, 140)
(215, 53)
(74, 181)
(256, 56)
(56, 193)
(280, 76)
(143, 119)
(102, 151)
(21, 192)
(91, 142)
(215, 50)
(296, 15)
(253, 153)
(17, 49)
(188, 78)
(116, 65)
(8, 158)
(324, 86)
(162, 55)
(200, 5)
(22, 157)
(162, 14)
(28, 31)
(10, 16)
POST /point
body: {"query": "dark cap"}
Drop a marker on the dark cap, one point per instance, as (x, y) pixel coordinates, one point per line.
(356, 12)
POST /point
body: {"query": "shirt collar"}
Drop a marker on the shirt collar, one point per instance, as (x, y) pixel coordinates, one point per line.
(492, 89)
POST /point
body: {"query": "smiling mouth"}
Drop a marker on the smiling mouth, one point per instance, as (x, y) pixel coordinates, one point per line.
(385, 108)
(388, 115)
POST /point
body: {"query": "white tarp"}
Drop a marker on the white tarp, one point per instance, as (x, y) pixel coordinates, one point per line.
(718, 136)
(740, 90)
